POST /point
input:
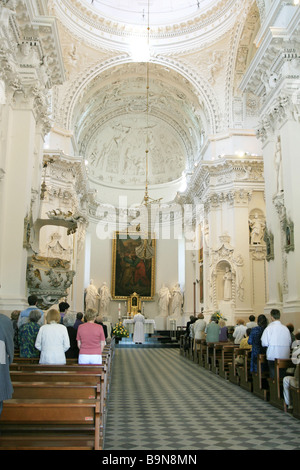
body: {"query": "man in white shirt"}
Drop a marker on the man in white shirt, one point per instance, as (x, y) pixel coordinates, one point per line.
(239, 331)
(277, 338)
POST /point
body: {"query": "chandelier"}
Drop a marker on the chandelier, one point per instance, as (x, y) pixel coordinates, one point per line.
(145, 250)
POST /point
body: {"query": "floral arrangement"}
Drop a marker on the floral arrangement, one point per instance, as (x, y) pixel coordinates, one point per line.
(218, 316)
(119, 331)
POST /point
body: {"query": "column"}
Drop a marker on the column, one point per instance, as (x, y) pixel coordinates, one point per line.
(18, 163)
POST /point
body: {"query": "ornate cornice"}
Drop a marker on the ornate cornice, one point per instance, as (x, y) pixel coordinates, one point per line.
(230, 172)
(285, 106)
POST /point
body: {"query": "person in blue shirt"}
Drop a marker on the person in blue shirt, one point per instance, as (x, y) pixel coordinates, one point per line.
(24, 315)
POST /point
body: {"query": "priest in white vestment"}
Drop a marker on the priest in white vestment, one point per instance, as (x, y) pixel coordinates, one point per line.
(138, 332)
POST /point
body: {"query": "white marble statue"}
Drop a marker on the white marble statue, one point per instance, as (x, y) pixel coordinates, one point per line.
(278, 164)
(105, 298)
(177, 301)
(91, 297)
(227, 284)
(164, 297)
(257, 230)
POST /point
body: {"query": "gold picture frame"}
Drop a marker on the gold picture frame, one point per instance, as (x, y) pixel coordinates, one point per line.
(129, 272)
(200, 260)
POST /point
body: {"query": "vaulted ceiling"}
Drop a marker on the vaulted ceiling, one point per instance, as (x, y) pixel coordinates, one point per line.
(193, 48)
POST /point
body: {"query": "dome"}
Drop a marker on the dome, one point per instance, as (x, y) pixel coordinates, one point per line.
(160, 12)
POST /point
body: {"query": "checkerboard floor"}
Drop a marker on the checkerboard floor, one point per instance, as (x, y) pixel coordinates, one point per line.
(160, 400)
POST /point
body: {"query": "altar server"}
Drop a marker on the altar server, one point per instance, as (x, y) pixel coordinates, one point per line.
(138, 333)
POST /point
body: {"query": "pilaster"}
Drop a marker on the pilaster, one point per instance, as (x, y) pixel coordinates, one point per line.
(274, 76)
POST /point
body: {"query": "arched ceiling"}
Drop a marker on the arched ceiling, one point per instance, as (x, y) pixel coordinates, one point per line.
(107, 110)
(115, 126)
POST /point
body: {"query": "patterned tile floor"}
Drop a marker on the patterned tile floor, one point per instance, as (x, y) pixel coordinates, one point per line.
(160, 400)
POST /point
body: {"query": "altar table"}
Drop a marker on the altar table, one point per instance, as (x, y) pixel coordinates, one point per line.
(149, 326)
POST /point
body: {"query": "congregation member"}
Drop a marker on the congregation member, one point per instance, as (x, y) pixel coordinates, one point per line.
(53, 340)
(63, 310)
(14, 319)
(244, 344)
(239, 331)
(277, 339)
(24, 315)
(213, 330)
(99, 321)
(78, 321)
(6, 358)
(199, 327)
(223, 336)
(69, 321)
(90, 339)
(27, 335)
(291, 327)
(251, 323)
(255, 341)
(292, 380)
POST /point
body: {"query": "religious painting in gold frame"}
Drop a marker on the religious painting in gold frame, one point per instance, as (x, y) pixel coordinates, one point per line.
(200, 244)
(129, 272)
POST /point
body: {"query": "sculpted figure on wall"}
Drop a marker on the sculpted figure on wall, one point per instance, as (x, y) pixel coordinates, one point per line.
(177, 301)
(91, 297)
(227, 284)
(105, 298)
(257, 227)
(278, 164)
(163, 301)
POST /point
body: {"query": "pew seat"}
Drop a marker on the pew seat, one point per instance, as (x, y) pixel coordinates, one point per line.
(275, 384)
(21, 417)
(226, 359)
(260, 378)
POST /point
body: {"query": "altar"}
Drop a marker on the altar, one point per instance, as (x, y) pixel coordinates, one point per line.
(149, 326)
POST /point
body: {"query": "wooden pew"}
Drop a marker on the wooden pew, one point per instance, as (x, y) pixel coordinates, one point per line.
(57, 390)
(58, 423)
(202, 353)
(275, 385)
(69, 384)
(88, 374)
(295, 394)
(182, 345)
(209, 356)
(235, 365)
(245, 374)
(62, 368)
(259, 378)
(197, 345)
(217, 355)
(226, 359)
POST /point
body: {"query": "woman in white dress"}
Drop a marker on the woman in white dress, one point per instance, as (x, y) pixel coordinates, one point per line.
(53, 340)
